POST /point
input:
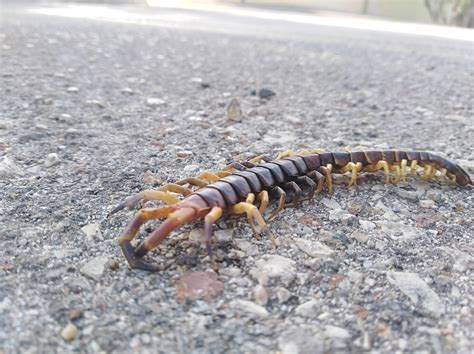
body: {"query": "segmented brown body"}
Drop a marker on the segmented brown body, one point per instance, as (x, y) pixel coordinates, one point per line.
(234, 188)
(231, 193)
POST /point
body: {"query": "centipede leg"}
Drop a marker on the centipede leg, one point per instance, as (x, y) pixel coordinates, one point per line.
(264, 200)
(398, 174)
(281, 203)
(193, 181)
(284, 154)
(319, 179)
(212, 176)
(413, 167)
(327, 170)
(239, 166)
(259, 158)
(311, 184)
(403, 170)
(383, 165)
(131, 231)
(297, 194)
(354, 168)
(175, 188)
(209, 221)
(257, 223)
(145, 195)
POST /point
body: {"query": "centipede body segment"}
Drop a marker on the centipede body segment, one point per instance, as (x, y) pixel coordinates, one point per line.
(237, 188)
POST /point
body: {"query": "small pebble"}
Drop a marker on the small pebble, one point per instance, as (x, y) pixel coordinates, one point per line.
(155, 102)
(360, 236)
(51, 160)
(75, 314)
(260, 295)
(184, 153)
(249, 307)
(69, 332)
(427, 203)
(234, 111)
(95, 268)
(283, 294)
(72, 89)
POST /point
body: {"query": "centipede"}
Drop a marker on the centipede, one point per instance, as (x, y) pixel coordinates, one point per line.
(244, 188)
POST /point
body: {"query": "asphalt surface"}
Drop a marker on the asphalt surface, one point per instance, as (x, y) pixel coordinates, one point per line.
(93, 111)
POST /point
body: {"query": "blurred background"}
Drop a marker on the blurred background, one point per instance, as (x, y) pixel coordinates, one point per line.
(446, 12)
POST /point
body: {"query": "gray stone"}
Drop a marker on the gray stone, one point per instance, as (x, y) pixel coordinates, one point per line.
(419, 293)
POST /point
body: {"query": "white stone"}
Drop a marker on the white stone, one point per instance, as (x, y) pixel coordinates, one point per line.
(427, 203)
(95, 268)
(92, 231)
(155, 102)
(314, 248)
(274, 267)
(234, 111)
(336, 332)
(418, 292)
(367, 225)
(260, 295)
(331, 203)
(9, 168)
(360, 236)
(308, 309)
(249, 307)
(51, 160)
(283, 294)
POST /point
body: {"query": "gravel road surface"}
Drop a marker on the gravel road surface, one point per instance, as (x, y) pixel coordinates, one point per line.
(94, 111)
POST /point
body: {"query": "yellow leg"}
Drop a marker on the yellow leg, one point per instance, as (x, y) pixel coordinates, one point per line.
(354, 169)
(209, 176)
(427, 172)
(327, 170)
(398, 173)
(264, 200)
(443, 172)
(145, 195)
(193, 181)
(259, 158)
(256, 220)
(175, 188)
(250, 198)
(403, 170)
(413, 167)
(310, 151)
(286, 153)
(140, 218)
(452, 177)
(383, 165)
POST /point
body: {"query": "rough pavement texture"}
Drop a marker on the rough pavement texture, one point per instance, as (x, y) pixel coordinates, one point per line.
(92, 112)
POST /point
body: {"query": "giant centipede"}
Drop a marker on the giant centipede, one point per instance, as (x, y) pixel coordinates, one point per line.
(236, 189)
